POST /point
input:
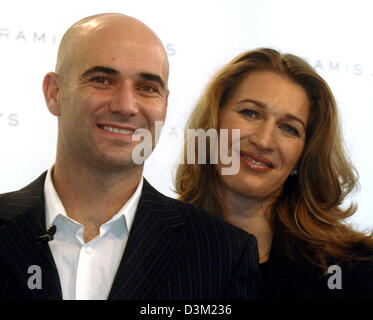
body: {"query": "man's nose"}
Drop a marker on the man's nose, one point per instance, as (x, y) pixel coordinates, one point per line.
(263, 136)
(124, 100)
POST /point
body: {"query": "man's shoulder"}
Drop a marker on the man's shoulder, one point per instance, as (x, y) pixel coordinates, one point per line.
(203, 222)
(15, 202)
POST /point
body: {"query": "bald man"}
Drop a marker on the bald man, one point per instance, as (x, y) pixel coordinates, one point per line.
(92, 227)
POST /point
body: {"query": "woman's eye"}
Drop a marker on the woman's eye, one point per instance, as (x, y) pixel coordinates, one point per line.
(290, 130)
(250, 113)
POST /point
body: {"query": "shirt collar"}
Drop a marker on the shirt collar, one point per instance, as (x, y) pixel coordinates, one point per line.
(54, 206)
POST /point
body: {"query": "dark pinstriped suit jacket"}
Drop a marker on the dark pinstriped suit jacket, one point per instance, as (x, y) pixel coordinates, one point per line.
(174, 251)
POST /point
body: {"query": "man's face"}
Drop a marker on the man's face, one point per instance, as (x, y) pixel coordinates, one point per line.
(116, 83)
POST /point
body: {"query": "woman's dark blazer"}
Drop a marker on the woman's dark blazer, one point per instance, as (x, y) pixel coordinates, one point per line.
(286, 279)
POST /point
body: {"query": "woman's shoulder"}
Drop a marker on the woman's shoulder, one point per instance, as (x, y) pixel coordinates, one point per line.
(352, 278)
(358, 278)
(341, 280)
(347, 280)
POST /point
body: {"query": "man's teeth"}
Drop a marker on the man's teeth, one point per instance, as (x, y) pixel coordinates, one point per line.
(256, 162)
(116, 130)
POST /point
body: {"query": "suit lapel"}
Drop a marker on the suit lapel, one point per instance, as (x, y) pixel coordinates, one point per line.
(18, 248)
(154, 245)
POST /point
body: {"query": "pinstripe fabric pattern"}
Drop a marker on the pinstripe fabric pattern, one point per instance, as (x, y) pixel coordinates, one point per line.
(22, 219)
(174, 252)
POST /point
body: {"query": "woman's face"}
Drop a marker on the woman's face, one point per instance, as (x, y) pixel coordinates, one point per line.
(271, 112)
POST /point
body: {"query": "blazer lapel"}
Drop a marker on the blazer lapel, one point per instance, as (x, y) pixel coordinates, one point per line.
(18, 248)
(154, 246)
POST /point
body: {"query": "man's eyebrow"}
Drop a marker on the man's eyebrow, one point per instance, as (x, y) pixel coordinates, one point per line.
(108, 70)
(99, 69)
(263, 105)
(153, 77)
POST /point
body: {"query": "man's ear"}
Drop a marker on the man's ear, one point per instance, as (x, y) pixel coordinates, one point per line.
(51, 89)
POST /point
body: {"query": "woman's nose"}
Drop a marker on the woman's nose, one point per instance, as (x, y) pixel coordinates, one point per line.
(264, 136)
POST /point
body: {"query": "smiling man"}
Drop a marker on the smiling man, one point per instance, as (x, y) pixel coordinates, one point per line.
(115, 236)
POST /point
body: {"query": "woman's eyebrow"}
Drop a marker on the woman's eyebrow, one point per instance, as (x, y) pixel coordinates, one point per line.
(263, 105)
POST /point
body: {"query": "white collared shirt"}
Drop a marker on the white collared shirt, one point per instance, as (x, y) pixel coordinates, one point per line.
(87, 270)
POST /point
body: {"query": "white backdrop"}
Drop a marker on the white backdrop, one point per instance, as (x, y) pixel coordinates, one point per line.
(199, 36)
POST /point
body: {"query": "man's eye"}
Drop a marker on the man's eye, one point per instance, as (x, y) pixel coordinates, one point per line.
(148, 89)
(100, 80)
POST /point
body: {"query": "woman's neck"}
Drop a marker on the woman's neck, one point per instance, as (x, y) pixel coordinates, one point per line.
(251, 216)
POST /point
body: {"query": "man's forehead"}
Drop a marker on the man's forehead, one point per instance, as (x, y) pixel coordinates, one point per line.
(115, 40)
(119, 55)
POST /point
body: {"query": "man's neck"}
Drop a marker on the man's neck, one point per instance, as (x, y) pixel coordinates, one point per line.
(93, 197)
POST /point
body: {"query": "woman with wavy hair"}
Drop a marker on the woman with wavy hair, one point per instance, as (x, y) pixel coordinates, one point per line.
(293, 177)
